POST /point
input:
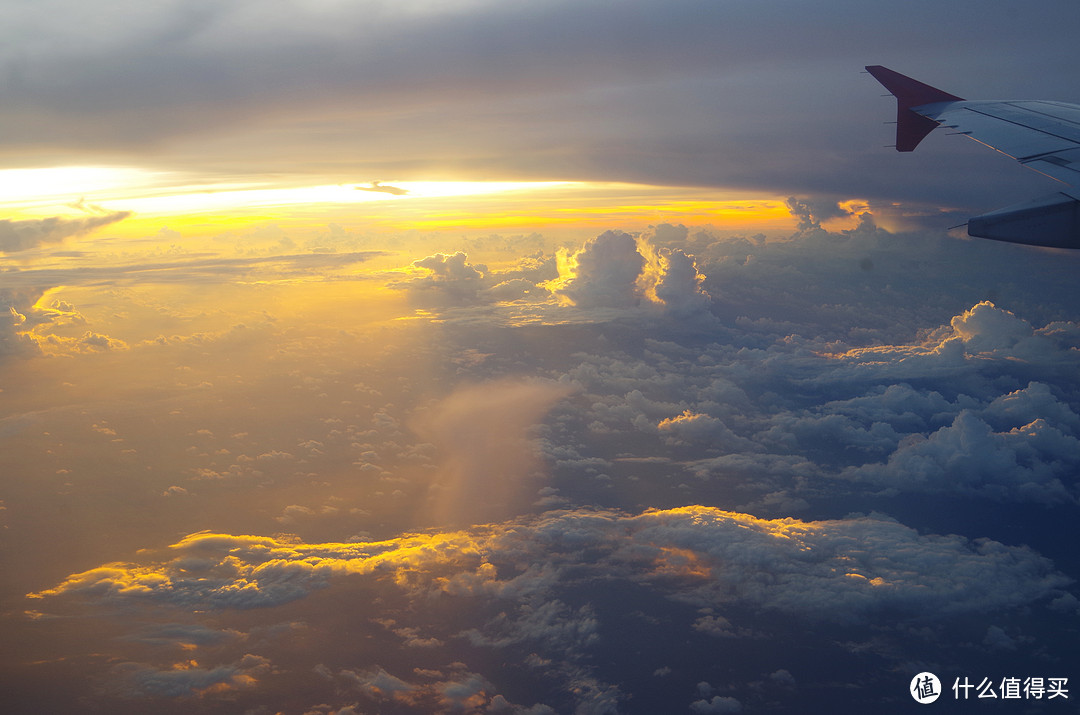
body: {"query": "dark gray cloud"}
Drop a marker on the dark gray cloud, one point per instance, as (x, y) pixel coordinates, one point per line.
(685, 95)
(30, 233)
(811, 212)
(378, 187)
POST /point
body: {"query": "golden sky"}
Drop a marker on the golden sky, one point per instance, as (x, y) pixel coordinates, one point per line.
(477, 356)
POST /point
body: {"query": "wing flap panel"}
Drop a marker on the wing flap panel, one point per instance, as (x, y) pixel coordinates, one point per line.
(1003, 127)
(1063, 166)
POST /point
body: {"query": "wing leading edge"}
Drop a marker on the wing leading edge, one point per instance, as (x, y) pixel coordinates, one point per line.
(1041, 135)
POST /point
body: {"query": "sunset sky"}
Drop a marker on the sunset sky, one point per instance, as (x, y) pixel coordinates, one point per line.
(463, 356)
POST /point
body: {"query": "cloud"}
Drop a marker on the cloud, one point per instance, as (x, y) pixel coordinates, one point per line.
(781, 412)
(1035, 462)
(30, 233)
(451, 269)
(186, 635)
(679, 286)
(718, 704)
(507, 90)
(843, 571)
(612, 276)
(553, 624)
(515, 289)
(616, 270)
(14, 338)
(189, 679)
(456, 691)
(985, 332)
(378, 187)
(811, 212)
(24, 327)
(1034, 402)
(452, 277)
(193, 269)
(603, 274)
(696, 428)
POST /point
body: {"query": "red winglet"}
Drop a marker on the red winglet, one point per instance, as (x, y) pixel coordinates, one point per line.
(911, 128)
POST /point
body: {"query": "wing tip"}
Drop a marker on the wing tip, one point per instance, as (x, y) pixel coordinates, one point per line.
(911, 128)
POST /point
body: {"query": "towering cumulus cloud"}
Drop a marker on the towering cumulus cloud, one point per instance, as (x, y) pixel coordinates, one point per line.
(678, 285)
(615, 270)
(603, 274)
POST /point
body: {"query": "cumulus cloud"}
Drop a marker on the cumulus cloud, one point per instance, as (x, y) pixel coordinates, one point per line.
(452, 281)
(985, 332)
(14, 338)
(697, 428)
(451, 269)
(1028, 462)
(609, 275)
(1034, 402)
(679, 286)
(25, 326)
(617, 270)
(603, 273)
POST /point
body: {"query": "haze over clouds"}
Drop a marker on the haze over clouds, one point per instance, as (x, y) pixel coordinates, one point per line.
(312, 405)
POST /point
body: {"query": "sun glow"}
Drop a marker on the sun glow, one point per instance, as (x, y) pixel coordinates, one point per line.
(155, 192)
(184, 199)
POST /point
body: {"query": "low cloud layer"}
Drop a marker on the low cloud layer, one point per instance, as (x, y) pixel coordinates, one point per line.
(843, 571)
(706, 476)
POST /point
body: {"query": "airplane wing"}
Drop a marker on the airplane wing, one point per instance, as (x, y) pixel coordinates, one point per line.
(1041, 135)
